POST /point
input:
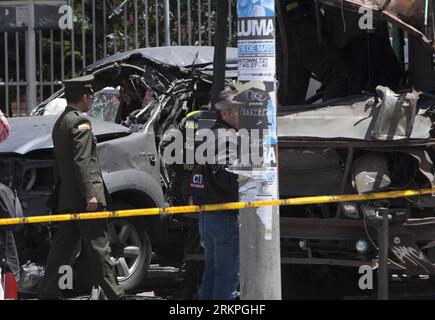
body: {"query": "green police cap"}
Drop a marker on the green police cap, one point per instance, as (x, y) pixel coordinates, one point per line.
(79, 85)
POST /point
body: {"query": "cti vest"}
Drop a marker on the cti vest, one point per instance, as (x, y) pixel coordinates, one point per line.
(212, 183)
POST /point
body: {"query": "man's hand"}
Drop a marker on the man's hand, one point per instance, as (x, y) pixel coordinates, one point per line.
(91, 204)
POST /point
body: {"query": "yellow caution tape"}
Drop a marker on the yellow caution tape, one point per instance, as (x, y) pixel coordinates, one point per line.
(216, 207)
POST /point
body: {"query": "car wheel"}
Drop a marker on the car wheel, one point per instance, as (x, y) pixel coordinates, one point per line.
(130, 252)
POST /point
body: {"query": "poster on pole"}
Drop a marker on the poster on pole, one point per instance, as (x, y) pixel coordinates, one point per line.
(13, 17)
(256, 40)
(22, 16)
(258, 177)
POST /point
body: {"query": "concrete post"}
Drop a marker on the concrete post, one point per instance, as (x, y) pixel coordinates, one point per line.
(260, 257)
(31, 59)
(167, 25)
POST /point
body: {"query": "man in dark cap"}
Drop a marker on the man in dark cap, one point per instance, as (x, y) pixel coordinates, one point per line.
(79, 188)
(212, 183)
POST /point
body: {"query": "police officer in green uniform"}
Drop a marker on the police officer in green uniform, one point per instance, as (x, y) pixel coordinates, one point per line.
(79, 188)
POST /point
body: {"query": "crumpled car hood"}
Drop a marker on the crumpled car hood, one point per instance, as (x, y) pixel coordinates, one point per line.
(349, 119)
(34, 133)
(170, 57)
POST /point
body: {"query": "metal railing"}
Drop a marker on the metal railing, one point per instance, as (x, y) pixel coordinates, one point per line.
(100, 29)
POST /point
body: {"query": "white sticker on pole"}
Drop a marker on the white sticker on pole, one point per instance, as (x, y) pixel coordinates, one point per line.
(22, 15)
(267, 189)
(265, 215)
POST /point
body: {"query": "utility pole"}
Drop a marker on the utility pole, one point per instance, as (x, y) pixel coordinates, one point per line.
(167, 25)
(31, 58)
(260, 260)
(220, 49)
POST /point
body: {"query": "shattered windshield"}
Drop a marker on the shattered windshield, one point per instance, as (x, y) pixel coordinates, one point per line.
(105, 105)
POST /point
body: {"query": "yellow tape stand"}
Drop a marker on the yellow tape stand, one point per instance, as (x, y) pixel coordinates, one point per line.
(216, 207)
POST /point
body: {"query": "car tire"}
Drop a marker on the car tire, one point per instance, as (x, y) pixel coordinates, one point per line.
(131, 254)
(138, 240)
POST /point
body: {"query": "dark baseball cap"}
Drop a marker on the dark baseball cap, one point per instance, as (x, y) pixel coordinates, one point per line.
(229, 99)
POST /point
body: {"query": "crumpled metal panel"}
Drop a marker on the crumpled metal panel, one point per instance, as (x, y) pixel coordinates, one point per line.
(406, 14)
(408, 11)
(176, 56)
(34, 133)
(346, 121)
(396, 114)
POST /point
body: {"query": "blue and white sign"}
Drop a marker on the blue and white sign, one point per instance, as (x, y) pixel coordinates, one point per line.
(256, 40)
(255, 8)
